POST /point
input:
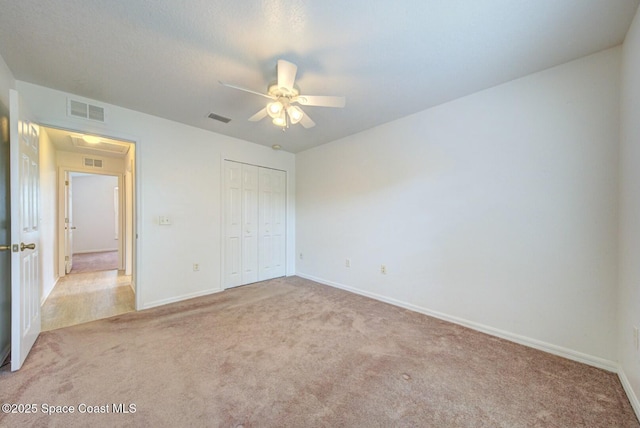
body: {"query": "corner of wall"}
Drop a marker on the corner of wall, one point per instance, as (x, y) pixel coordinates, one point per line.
(7, 81)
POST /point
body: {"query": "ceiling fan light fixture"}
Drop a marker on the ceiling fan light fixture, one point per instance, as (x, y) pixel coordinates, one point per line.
(295, 114)
(275, 109)
(280, 120)
(283, 94)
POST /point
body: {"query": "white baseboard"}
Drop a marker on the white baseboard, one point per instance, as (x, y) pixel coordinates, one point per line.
(633, 398)
(523, 340)
(44, 297)
(179, 298)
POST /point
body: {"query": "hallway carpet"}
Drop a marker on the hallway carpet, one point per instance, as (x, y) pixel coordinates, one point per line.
(93, 262)
(293, 353)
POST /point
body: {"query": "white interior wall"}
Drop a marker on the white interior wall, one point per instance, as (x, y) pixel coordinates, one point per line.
(497, 210)
(629, 277)
(94, 213)
(48, 215)
(178, 175)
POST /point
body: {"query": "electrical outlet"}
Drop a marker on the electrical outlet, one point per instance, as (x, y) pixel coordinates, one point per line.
(383, 269)
(636, 345)
(196, 267)
(347, 263)
(301, 256)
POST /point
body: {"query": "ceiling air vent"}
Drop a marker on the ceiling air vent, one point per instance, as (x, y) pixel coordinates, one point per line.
(218, 117)
(92, 163)
(84, 110)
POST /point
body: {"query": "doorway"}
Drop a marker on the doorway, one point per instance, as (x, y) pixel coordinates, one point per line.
(94, 228)
(92, 223)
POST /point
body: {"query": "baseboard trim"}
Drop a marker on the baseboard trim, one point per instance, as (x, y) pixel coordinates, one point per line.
(522, 340)
(162, 302)
(633, 398)
(44, 298)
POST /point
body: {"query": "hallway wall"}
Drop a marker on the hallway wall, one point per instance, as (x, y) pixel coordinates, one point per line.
(94, 215)
(48, 215)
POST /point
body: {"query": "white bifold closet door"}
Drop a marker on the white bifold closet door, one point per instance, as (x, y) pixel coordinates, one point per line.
(254, 219)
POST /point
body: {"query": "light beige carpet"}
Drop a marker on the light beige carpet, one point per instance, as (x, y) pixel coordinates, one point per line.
(93, 262)
(294, 353)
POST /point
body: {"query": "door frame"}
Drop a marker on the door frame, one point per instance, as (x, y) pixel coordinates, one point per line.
(134, 170)
(62, 173)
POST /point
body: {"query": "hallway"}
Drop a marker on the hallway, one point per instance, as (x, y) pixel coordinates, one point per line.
(88, 296)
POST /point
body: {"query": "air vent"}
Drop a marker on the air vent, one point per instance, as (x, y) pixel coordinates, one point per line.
(219, 118)
(96, 113)
(83, 110)
(92, 163)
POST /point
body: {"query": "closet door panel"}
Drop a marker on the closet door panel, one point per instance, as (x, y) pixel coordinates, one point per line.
(232, 224)
(279, 223)
(249, 224)
(271, 207)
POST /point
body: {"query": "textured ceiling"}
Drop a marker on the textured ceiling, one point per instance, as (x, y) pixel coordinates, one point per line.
(389, 58)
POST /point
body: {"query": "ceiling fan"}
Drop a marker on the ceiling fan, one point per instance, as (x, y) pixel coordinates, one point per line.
(283, 95)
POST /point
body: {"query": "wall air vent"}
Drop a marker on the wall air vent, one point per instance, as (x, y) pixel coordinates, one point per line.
(92, 163)
(84, 110)
(219, 118)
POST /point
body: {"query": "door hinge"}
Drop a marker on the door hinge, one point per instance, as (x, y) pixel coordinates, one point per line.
(66, 258)
(66, 182)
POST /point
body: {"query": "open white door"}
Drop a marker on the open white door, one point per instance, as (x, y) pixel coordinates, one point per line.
(25, 232)
(68, 223)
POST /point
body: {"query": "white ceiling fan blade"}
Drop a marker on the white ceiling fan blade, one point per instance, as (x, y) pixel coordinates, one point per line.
(321, 101)
(245, 90)
(286, 74)
(306, 121)
(259, 115)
